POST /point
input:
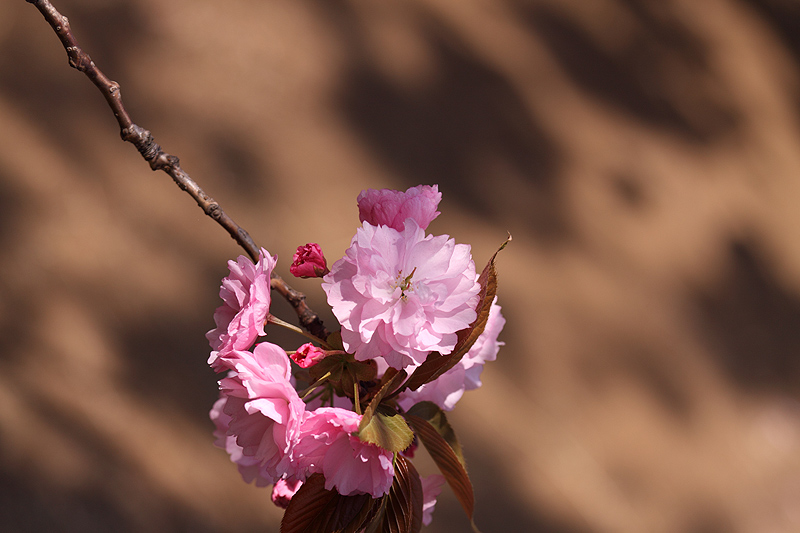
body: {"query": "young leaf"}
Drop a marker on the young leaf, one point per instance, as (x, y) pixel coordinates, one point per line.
(437, 419)
(316, 510)
(369, 412)
(390, 432)
(446, 459)
(437, 364)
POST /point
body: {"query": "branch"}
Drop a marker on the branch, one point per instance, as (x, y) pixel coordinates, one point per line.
(170, 164)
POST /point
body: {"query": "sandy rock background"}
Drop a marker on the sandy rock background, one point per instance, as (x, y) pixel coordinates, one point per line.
(644, 154)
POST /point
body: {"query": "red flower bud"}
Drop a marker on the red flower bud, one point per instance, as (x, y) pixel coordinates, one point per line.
(308, 262)
(308, 355)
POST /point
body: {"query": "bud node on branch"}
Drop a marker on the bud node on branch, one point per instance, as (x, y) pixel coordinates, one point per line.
(243, 235)
(166, 162)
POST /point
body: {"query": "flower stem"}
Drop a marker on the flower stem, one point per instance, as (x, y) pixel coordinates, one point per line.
(272, 319)
(356, 400)
(316, 384)
(314, 396)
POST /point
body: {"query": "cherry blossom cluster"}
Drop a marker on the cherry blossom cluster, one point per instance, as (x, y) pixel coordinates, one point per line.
(338, 419)
(399, 295)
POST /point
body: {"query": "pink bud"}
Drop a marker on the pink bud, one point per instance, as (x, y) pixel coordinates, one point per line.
(283, 491)
(308, 355)
(308, 262)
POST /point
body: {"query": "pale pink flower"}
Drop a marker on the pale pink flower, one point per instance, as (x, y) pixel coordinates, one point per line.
(308, 355)
(447, 389)
(485, 348)
(431, 488)
(308, 262)
(263, 411)
(283, 491)
(240, 320)
(327, 445)
(401, 295)
(391, 208)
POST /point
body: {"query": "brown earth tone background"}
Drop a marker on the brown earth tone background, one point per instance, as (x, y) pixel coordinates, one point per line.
(644, 154)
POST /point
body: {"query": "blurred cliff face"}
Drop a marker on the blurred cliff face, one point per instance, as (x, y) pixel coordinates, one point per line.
(644, 155)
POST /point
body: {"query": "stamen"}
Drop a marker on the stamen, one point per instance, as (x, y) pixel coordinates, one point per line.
(406, 284)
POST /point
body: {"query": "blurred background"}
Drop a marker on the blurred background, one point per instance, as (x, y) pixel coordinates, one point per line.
(643, 154)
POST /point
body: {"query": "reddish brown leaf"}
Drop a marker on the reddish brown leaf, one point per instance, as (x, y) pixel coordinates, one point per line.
(434, 415)
(415, 495)
(426, 371)
(316, 510)
(437, 364)
(376, 524)
(402, 509)
(445, 458)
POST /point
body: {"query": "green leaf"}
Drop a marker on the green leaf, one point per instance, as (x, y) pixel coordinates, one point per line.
(401, 510)
(434, 415)
(316, 510)
(389, 431)
(437, 364)
(388, 386)
(381, 425)
(446, 459)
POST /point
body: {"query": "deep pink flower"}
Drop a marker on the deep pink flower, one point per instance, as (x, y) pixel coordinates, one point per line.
(246, 297)
(283, 491)
(448, 388)
(391, 208)
(263, 413)
(308, 262)
(401, 295)
(308, 355)
(327, 446)
(431, 488)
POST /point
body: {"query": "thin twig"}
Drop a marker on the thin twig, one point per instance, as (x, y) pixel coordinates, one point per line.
(314, 385)
(272, 319)
(170, 164)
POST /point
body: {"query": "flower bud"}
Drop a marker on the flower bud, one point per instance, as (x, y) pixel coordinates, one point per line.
(308, 355)
(308, 262)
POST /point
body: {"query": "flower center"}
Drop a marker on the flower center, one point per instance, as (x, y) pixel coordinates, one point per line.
(405, 283)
